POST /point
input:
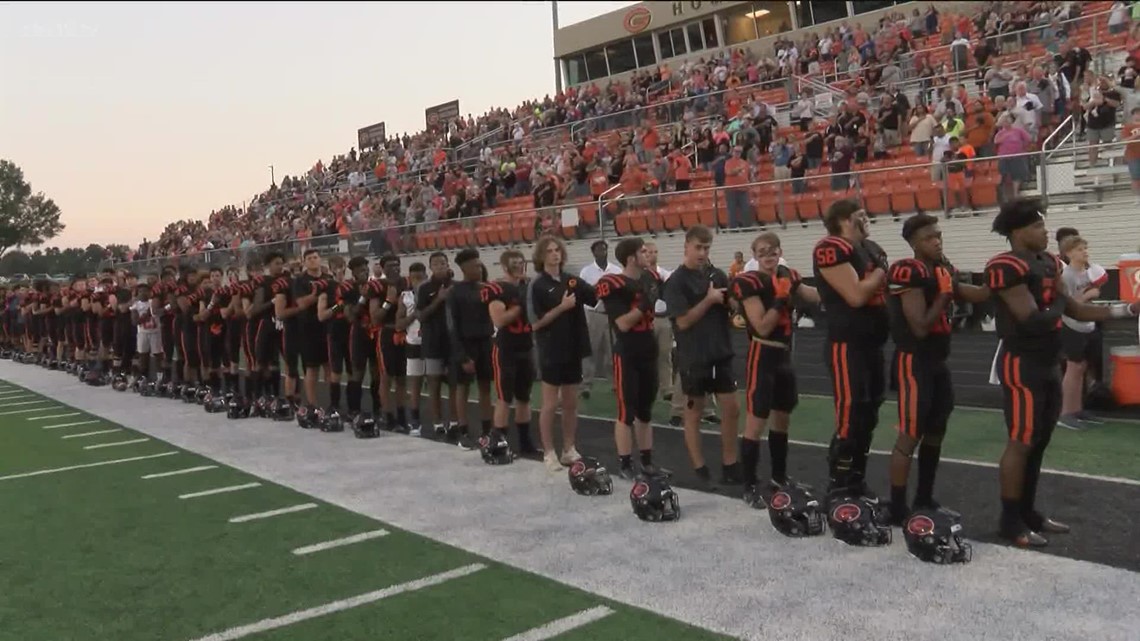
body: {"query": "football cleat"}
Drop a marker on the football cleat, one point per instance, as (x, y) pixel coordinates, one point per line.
(119, 383)
(935, 536)
(654, 500)
(589, 477)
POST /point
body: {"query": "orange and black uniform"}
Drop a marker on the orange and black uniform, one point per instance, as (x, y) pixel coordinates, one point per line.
(267, 339)
(918, 369)
(853, 353)
(512, 358)
(770, 379)
(126, 333)
(247, 289)
(191, 329)
(289, 334)
(162, 292)
(337, 328)
(363, 336)
(212, 332)
(1028, 364)
(391, 344)
(310, 338)
(635, 351)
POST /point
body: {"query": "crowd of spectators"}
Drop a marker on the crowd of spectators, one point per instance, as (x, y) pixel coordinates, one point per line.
(663, 127)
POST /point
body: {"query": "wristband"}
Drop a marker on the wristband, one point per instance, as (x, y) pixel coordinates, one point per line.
(387, 306)
(1120, 310)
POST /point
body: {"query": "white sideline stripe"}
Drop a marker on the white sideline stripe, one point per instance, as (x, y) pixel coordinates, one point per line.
(336, 543)
(8, 396)
(85, 465)
(55, 427)
(986, 464)
(219, 490)
(116, 444)
(50, 416)
(34, 409)
(116, 429)
(344, 604)
(187, 470)
(39, 402)
(563, 625)
(11, 390)
(265, 515)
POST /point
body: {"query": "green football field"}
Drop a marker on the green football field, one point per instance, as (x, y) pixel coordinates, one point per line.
(106, 537)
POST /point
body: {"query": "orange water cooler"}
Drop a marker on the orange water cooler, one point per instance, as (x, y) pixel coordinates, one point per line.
(1126, 360)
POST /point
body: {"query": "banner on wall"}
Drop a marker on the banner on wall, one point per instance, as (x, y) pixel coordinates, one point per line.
(438, 116)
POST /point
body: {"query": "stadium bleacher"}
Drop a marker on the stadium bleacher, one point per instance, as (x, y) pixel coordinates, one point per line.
(439, 198)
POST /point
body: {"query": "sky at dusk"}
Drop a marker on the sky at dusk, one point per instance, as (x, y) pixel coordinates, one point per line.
(133, 115)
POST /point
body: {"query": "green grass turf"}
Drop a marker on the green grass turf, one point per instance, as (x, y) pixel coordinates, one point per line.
(99, 553)
(974, 434)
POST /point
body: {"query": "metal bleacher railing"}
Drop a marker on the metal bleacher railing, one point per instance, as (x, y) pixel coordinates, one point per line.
(891, 188)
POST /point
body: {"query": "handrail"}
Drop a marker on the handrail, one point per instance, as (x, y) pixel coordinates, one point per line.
(602, 206)
(405, 232)
(1060, 127)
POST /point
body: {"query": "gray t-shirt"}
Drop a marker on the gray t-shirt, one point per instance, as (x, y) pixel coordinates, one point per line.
(1074, 281)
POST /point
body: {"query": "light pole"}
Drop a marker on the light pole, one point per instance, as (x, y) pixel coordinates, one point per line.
(272, 179)
(557, 66)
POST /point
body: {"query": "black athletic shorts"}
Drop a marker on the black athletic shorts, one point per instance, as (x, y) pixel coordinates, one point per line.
(107, 333)
(708, 378)
(926, 394)
(312, 344)
(235, 338)
(514, 374)
(362, 350)
(267, 344)
(770, 380)
(128, 343)
(78, 327)
(212, 344)
(336, 343)
(1031, 397)
(560, 373)
(1078, 346)
(393, 356)
(479, 351)
(635, 384)
(92, 329)
(291, 348)
(166, 331)
(858, 383)
(249, 343)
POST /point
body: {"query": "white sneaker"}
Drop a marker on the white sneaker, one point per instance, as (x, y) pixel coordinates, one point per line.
(570, 456)
(552, 464)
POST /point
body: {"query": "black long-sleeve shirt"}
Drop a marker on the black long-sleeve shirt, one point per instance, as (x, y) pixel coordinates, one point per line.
(467, 318)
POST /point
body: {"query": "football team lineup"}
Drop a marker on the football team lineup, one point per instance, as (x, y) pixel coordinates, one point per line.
(406, 332)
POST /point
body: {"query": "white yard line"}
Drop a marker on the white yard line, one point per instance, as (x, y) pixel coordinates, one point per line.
(51, 416)
(341, 605)
(563, 625)
(9, 396)
(265, 515)
(336, 543)
(219, 490)
(112, 430)
(84, 466)
(76, 424)
(39, 402)
(9, 391)
(116, 444)
(187, 470)
(34, 409)
(987, 464)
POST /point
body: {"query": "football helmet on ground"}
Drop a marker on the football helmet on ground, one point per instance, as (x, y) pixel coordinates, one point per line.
(654, 500)
(935, 536)
(589, 477)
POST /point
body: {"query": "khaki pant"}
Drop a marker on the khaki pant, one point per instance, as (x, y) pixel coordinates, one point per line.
(599, 364)
(663, 332)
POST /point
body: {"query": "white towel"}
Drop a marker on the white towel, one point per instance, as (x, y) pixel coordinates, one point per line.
(994, 367)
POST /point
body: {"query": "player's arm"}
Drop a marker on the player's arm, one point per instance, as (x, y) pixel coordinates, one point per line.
(807, 294)
(324, 310)
(541, 314)
(618, 304)
(1007, 278)
(229, 310)
(427, 310)
(685, 315)
(201, 314)
(833, 257)
(280, 306)
(259, 305)
(381, 307)
(403, 318)
(971, 293)
(1096, 313)
(919, 317)
(183, 303)
(307, 299)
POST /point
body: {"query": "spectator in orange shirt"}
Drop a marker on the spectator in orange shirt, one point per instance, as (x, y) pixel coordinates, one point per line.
(682, 169)
(737, 265)
(736, 195)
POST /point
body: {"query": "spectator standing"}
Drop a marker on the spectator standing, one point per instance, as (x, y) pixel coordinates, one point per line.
(597, 364)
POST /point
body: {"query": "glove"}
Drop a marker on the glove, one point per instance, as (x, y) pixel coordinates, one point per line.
(945, 280)
(783, 288)
(278, 324)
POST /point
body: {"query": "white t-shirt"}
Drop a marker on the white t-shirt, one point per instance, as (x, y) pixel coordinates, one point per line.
(408, 300)
(1076, 281)
(659, 308)
(591, 273)
(753, 265)
(147, 321)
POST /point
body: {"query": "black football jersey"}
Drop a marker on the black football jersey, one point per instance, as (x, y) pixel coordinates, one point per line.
(867, 324)
(749, 284)
(912, 274)
(620, 293)
(515, 337)
(1040, 274)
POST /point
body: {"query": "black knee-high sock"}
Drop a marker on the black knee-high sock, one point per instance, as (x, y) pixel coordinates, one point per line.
(215, 382)
(928, 457)
(749, 458)
(646, 457)
(524, 434)
(401, 415)
(485, 426)
(354, 394)
(778, 449)
(275, 383)
(1032, 475)
(334, 395)
(374, 390)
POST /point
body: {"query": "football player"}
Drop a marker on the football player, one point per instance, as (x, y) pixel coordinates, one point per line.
(512, 356)
(1029, 307)
(629, 299)
(267, 329)
(921, 291)
(555, 302)
(469, 326)
(248, 291)
(331, 312)
(393, 355)
(289, 292)
(430, 300)
(408, 322)
(851, 276)
(767, 297)
(362, 335)
(307, 288)
(145, 313)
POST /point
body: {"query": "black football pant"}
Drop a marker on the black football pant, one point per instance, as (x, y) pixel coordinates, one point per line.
(858, 386)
